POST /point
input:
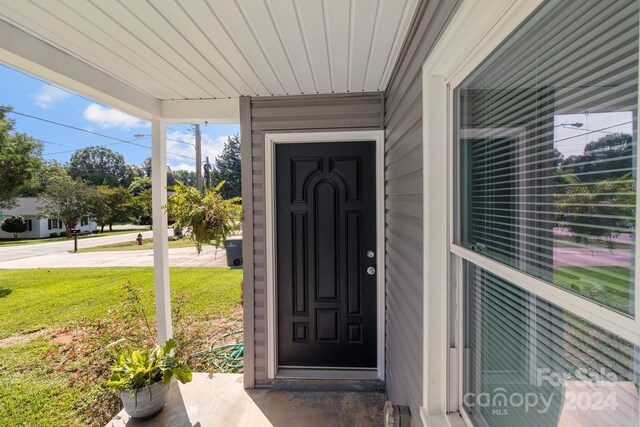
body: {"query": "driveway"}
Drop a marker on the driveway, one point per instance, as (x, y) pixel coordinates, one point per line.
(57, 255)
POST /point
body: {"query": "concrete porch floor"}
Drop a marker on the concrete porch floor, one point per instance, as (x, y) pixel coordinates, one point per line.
(221, 400)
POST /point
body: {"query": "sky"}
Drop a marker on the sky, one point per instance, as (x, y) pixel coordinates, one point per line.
(574, 131)
(33, 97)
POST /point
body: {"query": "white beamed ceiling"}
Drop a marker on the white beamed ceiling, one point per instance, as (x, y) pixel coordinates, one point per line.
(204, 49)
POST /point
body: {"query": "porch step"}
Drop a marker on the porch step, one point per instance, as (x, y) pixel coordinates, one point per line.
(296, 384)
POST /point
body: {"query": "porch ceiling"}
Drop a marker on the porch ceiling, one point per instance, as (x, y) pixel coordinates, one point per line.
(212, 49)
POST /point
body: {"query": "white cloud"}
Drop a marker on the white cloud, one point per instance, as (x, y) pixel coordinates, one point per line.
(183, 166)
(181, 145)
(107, 118)
(48, 95)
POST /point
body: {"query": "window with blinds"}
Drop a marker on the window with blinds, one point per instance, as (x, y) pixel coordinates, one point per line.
(547, 139)
(531, 363)
(546, 149)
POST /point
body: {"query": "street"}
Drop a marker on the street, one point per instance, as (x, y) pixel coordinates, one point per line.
(58, 255)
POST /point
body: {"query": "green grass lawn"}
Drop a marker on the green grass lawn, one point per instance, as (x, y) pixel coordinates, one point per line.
(56, 376)
(606, 285)
(29, 395)
(43, 298)
(147, 244)
(62, 239)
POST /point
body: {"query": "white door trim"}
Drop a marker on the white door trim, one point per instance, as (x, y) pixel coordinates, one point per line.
(270, 141)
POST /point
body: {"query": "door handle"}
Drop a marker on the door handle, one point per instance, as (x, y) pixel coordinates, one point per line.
(371, 271)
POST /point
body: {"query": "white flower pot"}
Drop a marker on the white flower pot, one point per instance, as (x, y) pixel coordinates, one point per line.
(146, 402)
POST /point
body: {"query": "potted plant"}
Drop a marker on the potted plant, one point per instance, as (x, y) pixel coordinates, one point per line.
(143, 378)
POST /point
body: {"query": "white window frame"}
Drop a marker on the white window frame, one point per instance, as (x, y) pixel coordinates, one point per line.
(476, 29)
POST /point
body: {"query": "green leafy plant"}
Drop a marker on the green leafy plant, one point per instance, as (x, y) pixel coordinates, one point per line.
(209, 217)
(136, 369)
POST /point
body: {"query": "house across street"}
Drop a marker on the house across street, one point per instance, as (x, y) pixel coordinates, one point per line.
(39, 226)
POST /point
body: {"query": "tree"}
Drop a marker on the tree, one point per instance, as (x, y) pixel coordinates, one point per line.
(228, 167)
(68, 199)
(146, 167)
(597, 209)
(131, 172)
(184, 176)
(188, 178)
(43, 174)
(595, 196)
(140, 189)
(609, 157)
(208, 216)
(113, 205)
(140, 184)
(99, 166)
(20, 156)
(141, 207)
(14, 224)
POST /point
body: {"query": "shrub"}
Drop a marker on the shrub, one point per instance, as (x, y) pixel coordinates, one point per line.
(63, 234)
(52, 235)
(14, 224)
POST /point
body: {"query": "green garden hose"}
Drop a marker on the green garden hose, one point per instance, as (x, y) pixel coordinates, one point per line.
(226, 357)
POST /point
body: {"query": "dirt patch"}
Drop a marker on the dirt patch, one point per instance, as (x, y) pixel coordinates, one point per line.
(22, 339)
(63, 338)
(195, 335)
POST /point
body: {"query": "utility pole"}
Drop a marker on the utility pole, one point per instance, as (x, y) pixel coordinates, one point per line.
(198, 158)
(207, 173)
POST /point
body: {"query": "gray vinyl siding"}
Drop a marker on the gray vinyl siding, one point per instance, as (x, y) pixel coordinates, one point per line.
(309, 113)
(404, 209)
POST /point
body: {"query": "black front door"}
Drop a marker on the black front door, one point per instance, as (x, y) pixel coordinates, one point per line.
(326, 241)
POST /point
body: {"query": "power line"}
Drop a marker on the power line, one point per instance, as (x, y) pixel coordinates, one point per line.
(206, 141)
(49, 142)
(76, 149)
(10, 111)
(592, 131)
(84, 130)
(181, 142)
(120, 141)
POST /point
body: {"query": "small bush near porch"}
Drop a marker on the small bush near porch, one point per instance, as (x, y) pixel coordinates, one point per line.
(56, 323)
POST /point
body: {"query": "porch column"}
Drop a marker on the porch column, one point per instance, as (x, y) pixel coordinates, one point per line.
(160, 233)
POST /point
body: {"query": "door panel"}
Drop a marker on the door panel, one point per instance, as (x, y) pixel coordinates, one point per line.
(325, 225)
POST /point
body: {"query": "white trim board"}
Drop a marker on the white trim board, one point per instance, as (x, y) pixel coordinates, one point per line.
(270, 141)
(475, 30)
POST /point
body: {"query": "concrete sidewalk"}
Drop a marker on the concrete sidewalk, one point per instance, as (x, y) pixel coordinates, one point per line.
(178, 257)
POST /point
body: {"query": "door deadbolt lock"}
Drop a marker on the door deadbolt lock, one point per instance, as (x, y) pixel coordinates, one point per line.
(371, 254)
(371, 271)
